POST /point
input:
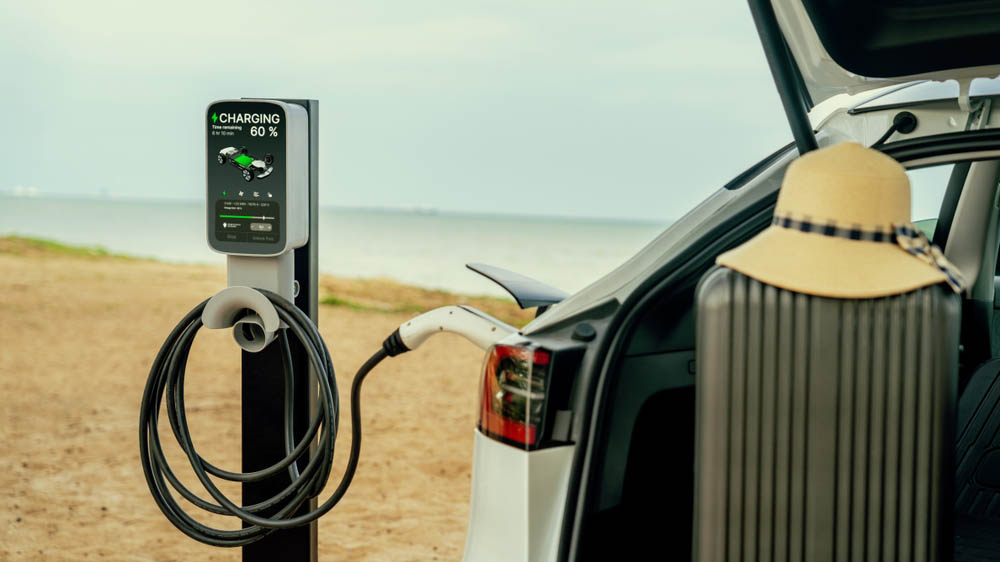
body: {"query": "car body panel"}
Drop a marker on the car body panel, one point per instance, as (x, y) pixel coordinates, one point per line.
(517, 502)
(923, 91)
(933, 118)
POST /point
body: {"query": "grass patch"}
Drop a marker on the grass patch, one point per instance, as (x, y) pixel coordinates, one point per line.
(345, 303)
(27, 246)
(391, 297)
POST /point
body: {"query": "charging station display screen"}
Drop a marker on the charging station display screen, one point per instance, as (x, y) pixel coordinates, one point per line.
(257, 222)
(246, 176)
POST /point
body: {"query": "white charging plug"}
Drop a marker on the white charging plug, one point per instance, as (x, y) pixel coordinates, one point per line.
(474, 325)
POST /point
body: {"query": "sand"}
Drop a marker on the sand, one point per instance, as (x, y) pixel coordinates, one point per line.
(77, 336)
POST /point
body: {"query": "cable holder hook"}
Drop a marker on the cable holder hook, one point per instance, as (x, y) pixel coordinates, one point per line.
(248, 312)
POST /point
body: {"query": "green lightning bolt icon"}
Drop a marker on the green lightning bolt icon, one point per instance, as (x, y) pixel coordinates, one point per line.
(215, 118)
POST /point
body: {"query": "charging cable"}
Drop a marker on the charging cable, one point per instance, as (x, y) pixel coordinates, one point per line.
(166, 380)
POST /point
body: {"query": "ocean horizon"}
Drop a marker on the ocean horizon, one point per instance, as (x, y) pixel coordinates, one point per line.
(419, 246)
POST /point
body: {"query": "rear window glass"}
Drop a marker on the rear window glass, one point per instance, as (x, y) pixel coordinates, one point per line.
(927, 186)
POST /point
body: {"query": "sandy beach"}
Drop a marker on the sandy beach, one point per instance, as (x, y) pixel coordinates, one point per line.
(78, 332)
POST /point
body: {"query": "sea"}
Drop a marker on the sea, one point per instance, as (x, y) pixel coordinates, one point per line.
(417, 247)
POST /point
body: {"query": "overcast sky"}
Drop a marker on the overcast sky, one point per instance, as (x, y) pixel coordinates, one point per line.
(633, 109)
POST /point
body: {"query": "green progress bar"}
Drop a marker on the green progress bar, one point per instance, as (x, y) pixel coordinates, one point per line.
(235, 217)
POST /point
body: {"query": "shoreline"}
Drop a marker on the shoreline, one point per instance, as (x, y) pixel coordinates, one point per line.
(380, 295)
(414, 210)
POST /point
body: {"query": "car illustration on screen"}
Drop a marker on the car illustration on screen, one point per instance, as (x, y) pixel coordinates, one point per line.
(249, 166)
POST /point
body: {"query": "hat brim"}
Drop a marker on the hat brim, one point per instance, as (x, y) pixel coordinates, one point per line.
(827, 266)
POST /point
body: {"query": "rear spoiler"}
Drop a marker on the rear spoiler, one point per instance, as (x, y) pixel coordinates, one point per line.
(528, 292)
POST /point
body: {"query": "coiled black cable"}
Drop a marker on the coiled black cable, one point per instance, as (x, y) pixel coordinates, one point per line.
(166, 378)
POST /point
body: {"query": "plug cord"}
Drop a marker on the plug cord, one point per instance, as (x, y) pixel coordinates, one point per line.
(166, 385)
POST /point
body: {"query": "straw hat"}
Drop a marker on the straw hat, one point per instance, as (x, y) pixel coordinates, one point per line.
(842, 229)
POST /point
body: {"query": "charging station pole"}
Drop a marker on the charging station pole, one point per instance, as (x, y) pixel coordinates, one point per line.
(263, 440)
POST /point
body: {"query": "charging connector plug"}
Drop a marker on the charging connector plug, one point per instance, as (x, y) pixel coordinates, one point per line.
(475, 326)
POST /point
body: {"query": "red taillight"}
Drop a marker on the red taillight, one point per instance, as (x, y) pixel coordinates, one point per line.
(512, 400)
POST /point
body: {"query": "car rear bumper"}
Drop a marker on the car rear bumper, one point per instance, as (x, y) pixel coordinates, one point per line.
(518, 499)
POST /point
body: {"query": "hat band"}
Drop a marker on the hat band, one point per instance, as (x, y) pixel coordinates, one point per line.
(906, 236)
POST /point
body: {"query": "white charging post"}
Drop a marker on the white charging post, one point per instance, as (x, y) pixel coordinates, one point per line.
(262, 178)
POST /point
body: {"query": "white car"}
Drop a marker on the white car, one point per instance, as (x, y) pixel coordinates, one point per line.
(249, 166)
(584, 448)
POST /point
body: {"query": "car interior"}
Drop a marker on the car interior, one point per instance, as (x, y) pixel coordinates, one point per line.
(641, 497)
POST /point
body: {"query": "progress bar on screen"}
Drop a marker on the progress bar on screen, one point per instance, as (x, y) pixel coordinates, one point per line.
(245, 217)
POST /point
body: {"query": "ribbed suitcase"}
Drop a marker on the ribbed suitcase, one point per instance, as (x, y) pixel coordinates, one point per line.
(824, 426)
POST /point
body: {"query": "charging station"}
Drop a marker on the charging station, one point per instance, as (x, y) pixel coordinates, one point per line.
(261, 211)
(267, 226)
(262, 177)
